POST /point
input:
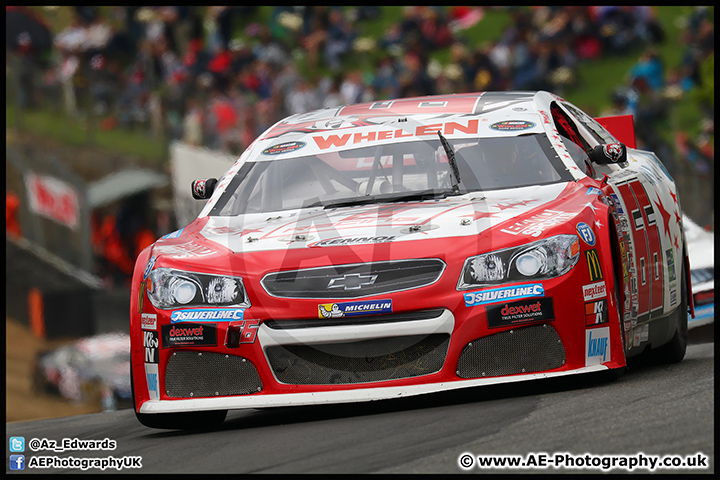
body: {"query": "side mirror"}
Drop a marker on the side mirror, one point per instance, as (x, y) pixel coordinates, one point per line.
(202, 189)
(608, 153)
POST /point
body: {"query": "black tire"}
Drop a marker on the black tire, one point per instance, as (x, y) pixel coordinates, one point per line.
(178, 421)
(674, 350)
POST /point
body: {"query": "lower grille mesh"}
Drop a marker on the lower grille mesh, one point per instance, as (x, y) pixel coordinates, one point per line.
(191, 374)
(358, 362)
(521, 350)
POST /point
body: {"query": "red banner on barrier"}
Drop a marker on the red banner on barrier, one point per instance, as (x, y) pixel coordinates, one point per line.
(53, 199)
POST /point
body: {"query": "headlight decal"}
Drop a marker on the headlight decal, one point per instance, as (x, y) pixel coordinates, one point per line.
(169, 288)
(547, 258)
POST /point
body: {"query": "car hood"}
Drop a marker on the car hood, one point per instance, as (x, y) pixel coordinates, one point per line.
(463, 215)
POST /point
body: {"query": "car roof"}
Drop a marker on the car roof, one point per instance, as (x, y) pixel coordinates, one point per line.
(506, 113)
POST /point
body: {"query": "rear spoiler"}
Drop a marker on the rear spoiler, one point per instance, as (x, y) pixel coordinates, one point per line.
(621, 127)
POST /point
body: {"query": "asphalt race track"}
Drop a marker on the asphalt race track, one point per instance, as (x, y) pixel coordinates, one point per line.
(651, 410)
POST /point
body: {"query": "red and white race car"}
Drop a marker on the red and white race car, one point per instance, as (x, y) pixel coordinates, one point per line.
(411, 246)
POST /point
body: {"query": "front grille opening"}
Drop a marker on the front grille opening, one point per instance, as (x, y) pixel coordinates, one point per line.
(521, 350)
(359, 362)
(354, 280)
(192, 374)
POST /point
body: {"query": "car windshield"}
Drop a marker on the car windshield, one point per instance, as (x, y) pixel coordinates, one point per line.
(408, 171)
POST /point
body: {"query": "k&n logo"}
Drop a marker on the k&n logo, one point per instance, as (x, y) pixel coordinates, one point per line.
(596, 313)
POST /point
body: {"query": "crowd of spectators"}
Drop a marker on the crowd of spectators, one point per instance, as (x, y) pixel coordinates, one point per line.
(650, 87)
(182, 71)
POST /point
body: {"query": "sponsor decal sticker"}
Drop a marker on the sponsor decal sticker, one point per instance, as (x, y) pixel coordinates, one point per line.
(593, 263)
(512, 125)
(535, 225)
(514, 313)
(352, 309)
(149, 267)
(148, 321)
(207, 315)
(638, 220)
(189, 334)
(332, 242)
(586, 233)
(141, 297)
(281, 148)
(243, 332)
(593, 191)
(593, 291)
(448, 128)
(199, 188)
(613, 151)
(617, 203)
(151, 374)
(184, 250)
(597, 346)
(496, 295)
(596, 313)
(670, 261)
(151, 344)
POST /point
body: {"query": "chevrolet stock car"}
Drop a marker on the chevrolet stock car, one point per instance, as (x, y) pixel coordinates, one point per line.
(410, 246)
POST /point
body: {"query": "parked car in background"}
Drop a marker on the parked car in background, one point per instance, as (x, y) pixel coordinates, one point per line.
(86, 369)
(701, 247)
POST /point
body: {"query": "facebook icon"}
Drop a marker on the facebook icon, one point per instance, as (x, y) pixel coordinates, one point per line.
(17, 462)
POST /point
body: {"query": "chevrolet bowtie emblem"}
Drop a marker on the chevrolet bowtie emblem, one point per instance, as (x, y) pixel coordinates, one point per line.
(352, 281)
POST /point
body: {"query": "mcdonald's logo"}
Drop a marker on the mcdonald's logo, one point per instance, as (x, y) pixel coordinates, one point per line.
(593, 263)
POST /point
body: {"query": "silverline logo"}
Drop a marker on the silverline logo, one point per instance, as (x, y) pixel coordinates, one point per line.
(210, 315)
(501, 294)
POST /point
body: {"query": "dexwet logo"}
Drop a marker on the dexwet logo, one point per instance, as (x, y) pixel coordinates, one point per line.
(513, 313)
(189, 334)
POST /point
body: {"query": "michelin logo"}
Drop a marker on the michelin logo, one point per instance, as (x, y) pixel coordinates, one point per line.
(350, 309)
(207, 315)
(503, 294)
